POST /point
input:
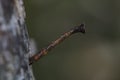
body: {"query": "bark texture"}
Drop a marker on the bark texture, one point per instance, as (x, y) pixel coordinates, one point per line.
(14, 42)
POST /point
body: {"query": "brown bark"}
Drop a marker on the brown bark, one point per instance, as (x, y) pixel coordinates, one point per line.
(14, 42)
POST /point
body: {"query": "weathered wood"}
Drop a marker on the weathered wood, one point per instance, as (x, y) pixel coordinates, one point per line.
(14, 42)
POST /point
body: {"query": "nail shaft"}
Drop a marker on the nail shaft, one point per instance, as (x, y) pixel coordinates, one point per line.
(44, 51)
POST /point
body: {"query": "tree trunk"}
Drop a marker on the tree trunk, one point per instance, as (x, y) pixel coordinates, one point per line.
(14, 42)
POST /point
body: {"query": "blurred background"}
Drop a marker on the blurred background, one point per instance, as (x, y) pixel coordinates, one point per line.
(93, 56)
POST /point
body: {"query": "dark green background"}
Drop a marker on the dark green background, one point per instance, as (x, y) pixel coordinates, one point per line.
(93, 56)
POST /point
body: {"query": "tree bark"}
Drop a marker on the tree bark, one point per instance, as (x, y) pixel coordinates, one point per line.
(14, 42)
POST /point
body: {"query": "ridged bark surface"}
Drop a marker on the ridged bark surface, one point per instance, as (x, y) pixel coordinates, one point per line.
(14, 42)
